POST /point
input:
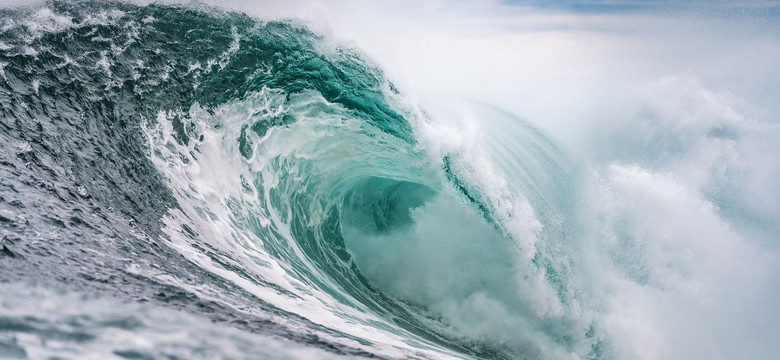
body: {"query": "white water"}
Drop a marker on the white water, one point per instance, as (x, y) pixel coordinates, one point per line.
(672, 118)
(114, 329)
(673, 127)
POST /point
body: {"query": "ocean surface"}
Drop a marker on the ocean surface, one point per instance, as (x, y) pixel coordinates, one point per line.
(186, 182)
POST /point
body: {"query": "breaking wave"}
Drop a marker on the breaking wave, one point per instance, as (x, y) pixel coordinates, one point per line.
(258, 175)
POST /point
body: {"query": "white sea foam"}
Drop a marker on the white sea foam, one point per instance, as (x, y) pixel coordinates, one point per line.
(210, 180)
(110, 328)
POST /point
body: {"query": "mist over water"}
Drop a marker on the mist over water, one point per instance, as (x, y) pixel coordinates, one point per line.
(454, 179)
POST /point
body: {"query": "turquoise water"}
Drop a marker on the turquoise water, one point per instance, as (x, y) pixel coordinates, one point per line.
(257, 187)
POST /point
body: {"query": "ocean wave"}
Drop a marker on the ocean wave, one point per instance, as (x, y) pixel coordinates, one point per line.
(255, 174)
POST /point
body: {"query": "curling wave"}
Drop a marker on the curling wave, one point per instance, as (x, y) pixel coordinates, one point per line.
(256, 174)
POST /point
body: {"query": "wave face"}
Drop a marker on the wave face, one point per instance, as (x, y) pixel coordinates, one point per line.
(166, 164)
